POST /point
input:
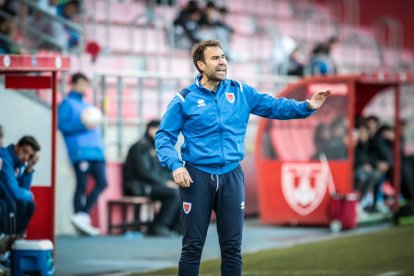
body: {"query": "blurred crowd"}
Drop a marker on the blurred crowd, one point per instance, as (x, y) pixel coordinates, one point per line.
(373, 159)
(37, 26)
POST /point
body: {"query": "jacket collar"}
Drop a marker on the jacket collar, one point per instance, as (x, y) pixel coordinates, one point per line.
(16, 162)
(76, 95)
(197, 81)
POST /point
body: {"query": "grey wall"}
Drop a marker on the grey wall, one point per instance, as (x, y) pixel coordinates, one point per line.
(20, 116)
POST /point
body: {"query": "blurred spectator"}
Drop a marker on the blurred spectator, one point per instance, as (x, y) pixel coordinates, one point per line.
(16, 174)
(165, 2)
(79, 123)
(295, 64)
(373, 124)
(53, 29)
(283, 46)
(70, 10)
(367, 178)
(11, 6)
(187, 26)
(8, 31)
(381, 148)
(213, 25)
(321, 62)
(144, 176)
(209, 16)
(321, 140)
(338, 144)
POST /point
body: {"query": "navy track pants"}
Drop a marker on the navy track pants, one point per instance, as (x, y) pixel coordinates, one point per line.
(225, 195)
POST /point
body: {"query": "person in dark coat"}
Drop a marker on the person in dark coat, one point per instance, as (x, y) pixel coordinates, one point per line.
(144, 176)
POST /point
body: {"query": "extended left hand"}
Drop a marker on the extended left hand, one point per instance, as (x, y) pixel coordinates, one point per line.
(318, 98)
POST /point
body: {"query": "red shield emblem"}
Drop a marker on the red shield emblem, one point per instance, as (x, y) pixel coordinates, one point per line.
(304, 186)
(186, 207)
(230, 97)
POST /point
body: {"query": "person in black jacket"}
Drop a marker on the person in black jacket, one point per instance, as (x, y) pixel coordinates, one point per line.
(144, 176)
(366, 176)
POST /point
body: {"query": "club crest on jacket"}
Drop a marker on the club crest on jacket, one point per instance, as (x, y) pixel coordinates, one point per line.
(230, 97)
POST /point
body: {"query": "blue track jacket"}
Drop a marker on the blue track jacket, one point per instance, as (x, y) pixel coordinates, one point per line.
(83, 144)
(214, 124)
(16, 187)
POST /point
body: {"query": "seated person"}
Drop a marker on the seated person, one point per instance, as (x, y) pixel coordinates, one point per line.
(144, 176)
(366, 177)
(16, 174)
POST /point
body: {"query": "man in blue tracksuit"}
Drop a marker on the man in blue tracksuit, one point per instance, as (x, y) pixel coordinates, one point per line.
(85, 148)
(212, 115)
(16, 172)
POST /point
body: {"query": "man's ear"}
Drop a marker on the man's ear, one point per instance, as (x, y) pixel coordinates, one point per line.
(201, 65)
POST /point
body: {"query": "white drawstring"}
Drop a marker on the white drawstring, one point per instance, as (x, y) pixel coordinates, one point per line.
(212, 178)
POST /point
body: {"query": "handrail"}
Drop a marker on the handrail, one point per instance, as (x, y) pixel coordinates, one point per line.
(163, 75)
(395, 30)
(101, 86)
(32, 30)
(57, 18)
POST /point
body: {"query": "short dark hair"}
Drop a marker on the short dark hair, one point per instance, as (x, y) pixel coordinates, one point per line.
(29, 141)
(372, 118)
(78, 76)
(153, 123)
(198, 50)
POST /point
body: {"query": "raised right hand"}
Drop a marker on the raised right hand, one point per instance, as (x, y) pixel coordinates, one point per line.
(182, 177)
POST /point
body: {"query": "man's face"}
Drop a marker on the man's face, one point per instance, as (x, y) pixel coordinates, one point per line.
(152, 131)
(24, 153)
(81, 86)
(214, 66)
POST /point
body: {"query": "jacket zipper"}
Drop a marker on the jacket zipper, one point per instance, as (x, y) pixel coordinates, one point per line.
(220, 126)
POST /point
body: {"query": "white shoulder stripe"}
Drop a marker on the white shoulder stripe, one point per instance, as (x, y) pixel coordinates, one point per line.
(181, 97)
(241, 86)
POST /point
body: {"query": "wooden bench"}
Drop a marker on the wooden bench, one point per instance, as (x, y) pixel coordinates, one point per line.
(124, 203)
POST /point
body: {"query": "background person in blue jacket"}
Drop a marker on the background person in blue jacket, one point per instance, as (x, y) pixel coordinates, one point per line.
(82, 134)
(212, 114)
(16, 173)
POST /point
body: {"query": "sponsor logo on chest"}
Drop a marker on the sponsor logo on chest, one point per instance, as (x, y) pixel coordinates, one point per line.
(201, 103)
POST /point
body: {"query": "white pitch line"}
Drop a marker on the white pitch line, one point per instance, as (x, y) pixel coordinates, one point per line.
(390, 273)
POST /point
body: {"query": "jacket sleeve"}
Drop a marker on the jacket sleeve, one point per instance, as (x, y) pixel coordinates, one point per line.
(25, 181)
(267, 106)
(11, 185)
(69, 122)
(167, 134)
(140, 159)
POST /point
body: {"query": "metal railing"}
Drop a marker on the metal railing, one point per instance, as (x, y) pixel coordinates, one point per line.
(25, 27)
(389, 33)
(148, 105)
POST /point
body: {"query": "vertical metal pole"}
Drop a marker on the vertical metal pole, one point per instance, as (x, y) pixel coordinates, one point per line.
(159, 100)
(103, 107)
(119, 141)
(397, 155)
(140, 105)
(107, 23)
(94, 35)
(62, 88)
(53, 157)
